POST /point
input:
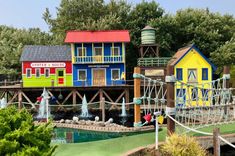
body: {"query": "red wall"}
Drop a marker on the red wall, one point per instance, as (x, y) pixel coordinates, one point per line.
(52, 70)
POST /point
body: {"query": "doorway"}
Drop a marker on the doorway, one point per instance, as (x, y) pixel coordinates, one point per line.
(99, 77)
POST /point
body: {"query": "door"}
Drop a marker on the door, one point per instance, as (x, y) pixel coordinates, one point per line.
(99, 77)
(98, 54)
(60, 77)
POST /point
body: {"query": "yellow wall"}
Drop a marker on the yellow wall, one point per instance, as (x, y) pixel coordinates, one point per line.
(193, 60)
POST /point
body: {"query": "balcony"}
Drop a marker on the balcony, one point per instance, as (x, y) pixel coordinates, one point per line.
(97, 59)
(153, 62)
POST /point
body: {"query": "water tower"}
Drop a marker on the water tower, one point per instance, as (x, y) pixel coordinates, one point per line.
(151, 64)
(148, 47)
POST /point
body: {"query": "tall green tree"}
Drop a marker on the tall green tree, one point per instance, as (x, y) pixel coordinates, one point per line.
(19, 136)
(225, 54)
(200, 26)
(12, 41)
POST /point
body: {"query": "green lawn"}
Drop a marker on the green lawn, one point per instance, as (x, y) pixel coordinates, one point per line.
(110, 147)
(224, 129)
(118, 146)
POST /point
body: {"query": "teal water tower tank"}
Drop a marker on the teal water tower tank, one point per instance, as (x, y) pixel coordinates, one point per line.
(148, 35)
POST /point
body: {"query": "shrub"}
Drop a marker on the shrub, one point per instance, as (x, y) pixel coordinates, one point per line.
(19, 136)
(176, 145)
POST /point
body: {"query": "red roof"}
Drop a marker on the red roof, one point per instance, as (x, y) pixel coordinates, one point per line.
(97, 36)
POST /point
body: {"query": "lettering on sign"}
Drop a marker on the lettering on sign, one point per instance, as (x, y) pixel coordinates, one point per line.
(98, 66)
(48, 65)
(154, 72)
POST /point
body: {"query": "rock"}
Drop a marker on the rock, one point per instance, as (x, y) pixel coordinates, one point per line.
(67, 121)
(110, 120)
(88, 122)
(82, 122)
(75, 118)
(97, 119)
(62, 121)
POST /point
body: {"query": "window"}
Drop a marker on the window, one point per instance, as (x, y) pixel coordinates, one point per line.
(60, 73)
(115, 51)
(181, 97)
(28, 72)
(115, 74)
(47, 72)
(37, 72)
(179, 74)
(192, 75)
(82, 75)
(204, 94)
(81, 52)
(98, 51)
(204, 73)
(194, 94)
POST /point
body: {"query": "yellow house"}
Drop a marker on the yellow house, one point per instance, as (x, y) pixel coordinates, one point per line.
(193, 68)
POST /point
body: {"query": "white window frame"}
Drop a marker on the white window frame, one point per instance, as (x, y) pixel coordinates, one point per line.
(95, 52)
(84, 51)
(30, 72)
(196, 75)
(112, 74)
(36, 72)
(48, 72)
(112, 51)
(85, 74)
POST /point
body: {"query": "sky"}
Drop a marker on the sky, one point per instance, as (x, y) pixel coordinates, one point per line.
(28, 13)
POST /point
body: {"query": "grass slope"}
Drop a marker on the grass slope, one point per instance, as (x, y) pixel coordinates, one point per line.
(118, 146)
(110, 147)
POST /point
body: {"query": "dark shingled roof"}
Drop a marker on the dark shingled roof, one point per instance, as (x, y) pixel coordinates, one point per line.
(46, 53)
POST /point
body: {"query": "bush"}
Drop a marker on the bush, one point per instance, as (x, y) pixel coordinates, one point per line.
(176, 145)
(20, 137)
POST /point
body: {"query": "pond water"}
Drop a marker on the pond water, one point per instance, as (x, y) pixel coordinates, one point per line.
(69, 135)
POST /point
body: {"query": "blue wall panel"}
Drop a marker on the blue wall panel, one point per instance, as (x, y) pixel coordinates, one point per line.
(89, 68)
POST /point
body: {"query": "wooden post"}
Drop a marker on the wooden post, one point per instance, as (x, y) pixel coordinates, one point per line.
(5, 82)
(19, 99)
(74, 100)
(226, 73)
(103, 108)
(170, 98)
(101, 97)
(137, 82)
(216, 142)
(226, 76)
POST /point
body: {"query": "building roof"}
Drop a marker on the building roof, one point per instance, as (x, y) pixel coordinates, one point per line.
(46, 53)
(183, 51)
(97, 36)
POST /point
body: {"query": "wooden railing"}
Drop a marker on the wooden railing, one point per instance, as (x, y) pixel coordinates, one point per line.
(98, 59)
(155, 61)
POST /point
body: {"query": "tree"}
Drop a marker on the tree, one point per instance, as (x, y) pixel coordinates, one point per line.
(207, 30)
(225, 54)
(19, 136)
(12, 41)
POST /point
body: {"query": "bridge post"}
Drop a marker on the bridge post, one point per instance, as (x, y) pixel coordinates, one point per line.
(216, 142)
(170, 108)
(226, 75)
(137, 82)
